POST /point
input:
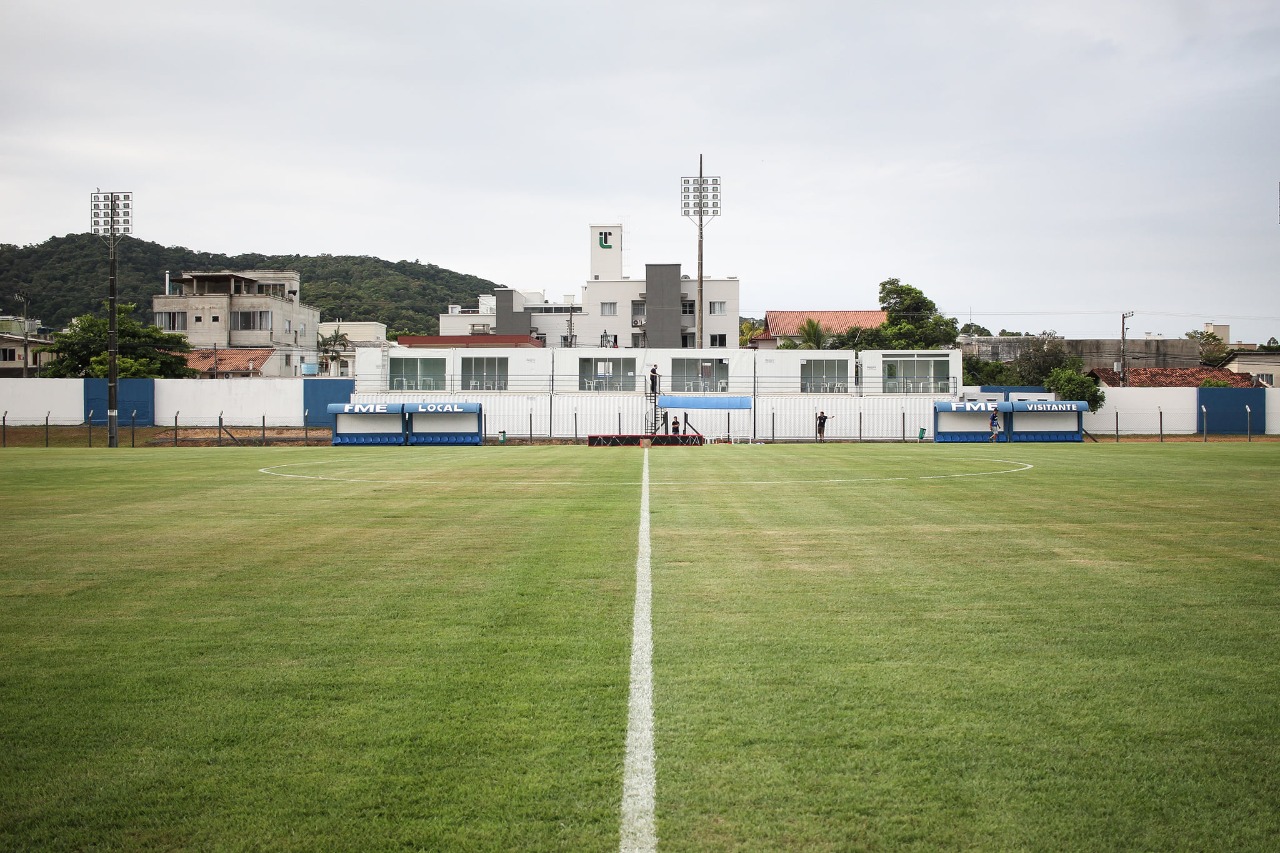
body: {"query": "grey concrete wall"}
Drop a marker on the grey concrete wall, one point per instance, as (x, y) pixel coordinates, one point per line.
(662, 305)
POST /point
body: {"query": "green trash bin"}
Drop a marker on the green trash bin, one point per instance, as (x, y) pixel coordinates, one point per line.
(502, 436)
(921, 437)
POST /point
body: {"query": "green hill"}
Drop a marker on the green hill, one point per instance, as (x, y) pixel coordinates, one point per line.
(67, 276)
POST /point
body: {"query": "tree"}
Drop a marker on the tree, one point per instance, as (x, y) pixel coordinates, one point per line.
(913, 320)
(975, 329)
(1070, 383)
(1040, 356)
(748, 329)
(812, 335)
(1212, 348)
(142, 351)
(980, 372)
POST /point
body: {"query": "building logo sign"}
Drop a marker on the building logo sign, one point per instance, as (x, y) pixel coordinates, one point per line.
(604, 239)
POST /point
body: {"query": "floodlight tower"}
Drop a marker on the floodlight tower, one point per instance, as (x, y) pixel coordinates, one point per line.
(112, 218)
(699, 198)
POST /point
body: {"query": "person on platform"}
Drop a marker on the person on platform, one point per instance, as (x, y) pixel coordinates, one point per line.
(653, 380)
(675, 426)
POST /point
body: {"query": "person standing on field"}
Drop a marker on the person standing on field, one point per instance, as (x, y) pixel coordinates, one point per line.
(822, 425)
(995, 425)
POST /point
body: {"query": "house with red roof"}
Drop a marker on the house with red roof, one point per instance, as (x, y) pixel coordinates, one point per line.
(1170, 377)
(785, 325)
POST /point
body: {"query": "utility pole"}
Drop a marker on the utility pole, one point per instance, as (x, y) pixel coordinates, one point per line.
(1124, 363)
(25, 299)
(112, 217)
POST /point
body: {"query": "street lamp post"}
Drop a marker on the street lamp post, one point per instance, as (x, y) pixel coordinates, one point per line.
(699, 198)
(112, 219)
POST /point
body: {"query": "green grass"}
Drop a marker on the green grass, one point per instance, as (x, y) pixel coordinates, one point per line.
(429, 648)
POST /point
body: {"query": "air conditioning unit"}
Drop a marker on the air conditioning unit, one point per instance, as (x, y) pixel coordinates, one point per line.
(637, 322)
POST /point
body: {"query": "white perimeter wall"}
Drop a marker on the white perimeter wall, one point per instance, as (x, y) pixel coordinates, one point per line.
(29, 401)
(244, 402)
(241, 402)
(1139, 411)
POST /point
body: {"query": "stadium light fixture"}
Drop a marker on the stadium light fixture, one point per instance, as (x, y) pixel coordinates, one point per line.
(700, 202)
(111, 218)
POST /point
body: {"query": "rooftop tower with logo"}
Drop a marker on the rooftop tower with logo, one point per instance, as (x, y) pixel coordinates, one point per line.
(606, 253)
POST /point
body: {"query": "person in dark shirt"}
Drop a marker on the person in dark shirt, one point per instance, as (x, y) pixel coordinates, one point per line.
(823, 417)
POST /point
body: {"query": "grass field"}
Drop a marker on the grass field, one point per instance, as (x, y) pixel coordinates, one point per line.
(856, 647)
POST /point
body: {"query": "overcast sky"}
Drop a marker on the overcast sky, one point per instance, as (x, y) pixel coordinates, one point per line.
(1028, 165)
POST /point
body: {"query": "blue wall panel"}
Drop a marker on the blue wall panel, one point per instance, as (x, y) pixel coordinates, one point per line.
(1225, 408)
(132, 395)
(317, 394)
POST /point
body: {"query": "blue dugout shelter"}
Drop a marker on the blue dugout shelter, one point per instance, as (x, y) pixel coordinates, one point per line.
(407, 423)
(1031, 420)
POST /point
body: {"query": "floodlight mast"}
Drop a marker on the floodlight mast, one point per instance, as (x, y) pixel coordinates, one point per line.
(700, 197)
(112, 217)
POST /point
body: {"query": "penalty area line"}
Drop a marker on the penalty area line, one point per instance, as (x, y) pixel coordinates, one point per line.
(639, 774)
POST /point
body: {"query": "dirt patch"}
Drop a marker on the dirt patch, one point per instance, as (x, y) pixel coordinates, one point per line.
(246, 436)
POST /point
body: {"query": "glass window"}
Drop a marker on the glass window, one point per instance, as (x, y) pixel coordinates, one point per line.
(418, 374)
(484, 374)
(923, 374)
(249, 321)
(172, 321)
(699, 374)
(608, 309)
(606, 374)
(717, 309)
(824, 376)
(688, 309)
(718, 341)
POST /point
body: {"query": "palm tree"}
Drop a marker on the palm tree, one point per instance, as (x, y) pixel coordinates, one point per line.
(332, 346)
(812, 335)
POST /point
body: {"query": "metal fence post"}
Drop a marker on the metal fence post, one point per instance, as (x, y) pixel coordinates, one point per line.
(219, 429)
(46, 428)
(175, 428)
(264, 430)
(4, 429)
(1204, 422)
(91, 427)
(133, 424)
(306, 414)
(1117, 427)
(1248, 420)
(1161, 413)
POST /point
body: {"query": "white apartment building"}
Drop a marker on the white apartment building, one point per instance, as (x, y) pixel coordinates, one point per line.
(613, 310)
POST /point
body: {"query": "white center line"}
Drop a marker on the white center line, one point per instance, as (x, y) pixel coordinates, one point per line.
(639, 776)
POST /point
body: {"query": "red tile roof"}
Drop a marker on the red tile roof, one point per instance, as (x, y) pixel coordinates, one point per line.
(787, 323)
(1172, 377)
(229, 360)
(469, 341)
